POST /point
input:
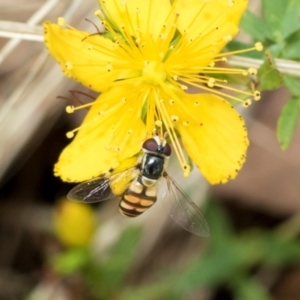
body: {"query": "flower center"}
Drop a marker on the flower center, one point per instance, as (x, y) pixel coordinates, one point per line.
(153, 72)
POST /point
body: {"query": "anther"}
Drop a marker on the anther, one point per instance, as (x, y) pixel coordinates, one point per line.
(227, 38)
(211, 82)
(70, 134)
(186, 170)
(247, 103)
(97, 12)
(70, 109)
(196, 103)
(171, 101)
(124, 100)
(257, 95)
(259, 46)
(130, 131)
(212, 64)
(185, 123)
(101, 112)
(107, 147)
(252, 71)
(61, 21)
(183, 87)
(158, 123)
(175, 77)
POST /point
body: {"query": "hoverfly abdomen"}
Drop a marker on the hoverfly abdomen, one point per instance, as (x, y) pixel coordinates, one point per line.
(137, 199)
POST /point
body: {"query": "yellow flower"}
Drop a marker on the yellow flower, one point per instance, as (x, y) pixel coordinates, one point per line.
(74, 223)
(151, 53)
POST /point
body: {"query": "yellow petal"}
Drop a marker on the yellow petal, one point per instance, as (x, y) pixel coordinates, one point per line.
(92, 60)
(209, 24)
(111, 132)
(147, 17)
(213, 134)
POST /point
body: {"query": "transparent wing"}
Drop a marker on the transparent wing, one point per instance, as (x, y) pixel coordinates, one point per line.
(181, 208)
(103, 188)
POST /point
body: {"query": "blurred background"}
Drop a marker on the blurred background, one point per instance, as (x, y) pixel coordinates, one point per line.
(51, 248)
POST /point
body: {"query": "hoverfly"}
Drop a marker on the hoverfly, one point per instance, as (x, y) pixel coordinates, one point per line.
(139, 186)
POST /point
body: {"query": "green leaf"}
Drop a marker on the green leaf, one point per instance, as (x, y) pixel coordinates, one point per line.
(269, 77)
(287, 122)
(249, 289)
(279, 251)
(121, 256)
(254, 26)
(272, 13)
(291, 49)
(221, 229)
(292, 83)
(291, 18)
(70, 261)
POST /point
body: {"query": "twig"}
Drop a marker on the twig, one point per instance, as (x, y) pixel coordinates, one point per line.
(27, 31)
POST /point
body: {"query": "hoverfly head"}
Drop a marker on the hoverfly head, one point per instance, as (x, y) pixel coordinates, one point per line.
(158, 146)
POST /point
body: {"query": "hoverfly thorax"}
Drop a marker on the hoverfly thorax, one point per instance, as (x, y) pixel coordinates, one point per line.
(156, 151)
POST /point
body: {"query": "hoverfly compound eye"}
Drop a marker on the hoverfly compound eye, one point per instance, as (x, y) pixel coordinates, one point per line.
(157, 146)
(150, 145)
(167, 150)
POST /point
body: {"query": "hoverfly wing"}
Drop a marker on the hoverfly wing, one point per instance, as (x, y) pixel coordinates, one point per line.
(100, 189)
(91, 191)
(181, 208)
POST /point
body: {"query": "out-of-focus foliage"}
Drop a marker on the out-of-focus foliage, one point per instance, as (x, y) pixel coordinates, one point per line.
(229, 260)
(279, 31)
